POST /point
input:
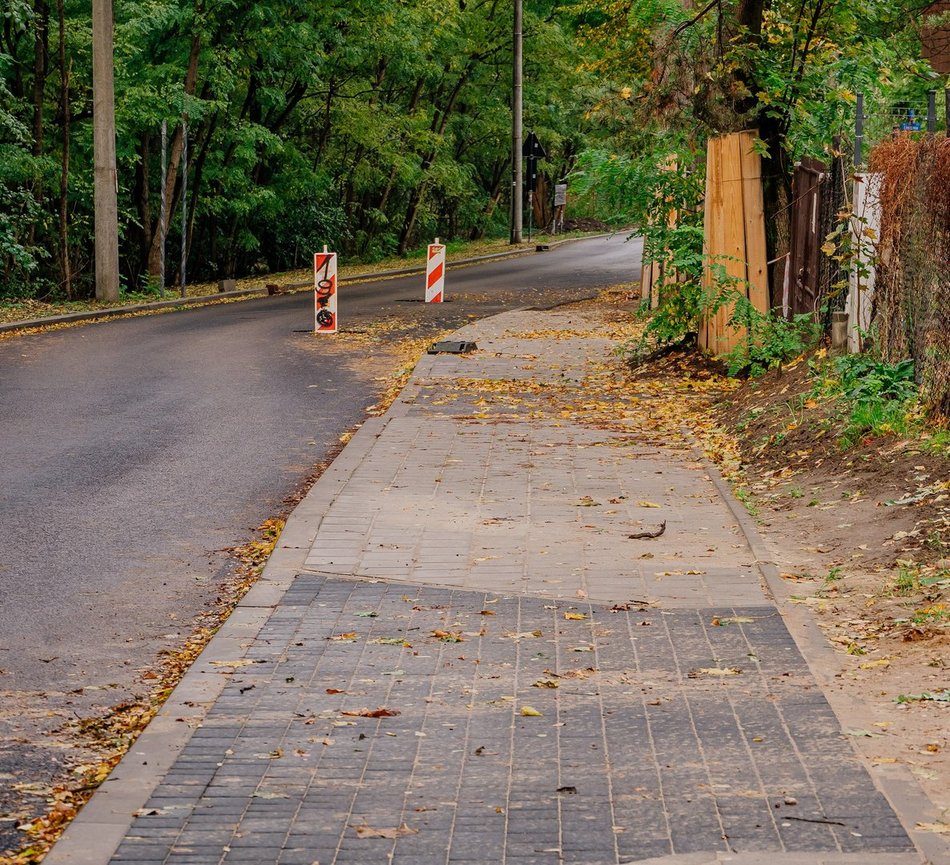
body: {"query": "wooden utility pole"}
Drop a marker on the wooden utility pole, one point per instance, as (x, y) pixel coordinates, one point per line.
(103, 134)
(516, 131)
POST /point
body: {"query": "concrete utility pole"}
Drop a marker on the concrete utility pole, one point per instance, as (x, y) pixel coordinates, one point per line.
(516, 174)
(103, 134)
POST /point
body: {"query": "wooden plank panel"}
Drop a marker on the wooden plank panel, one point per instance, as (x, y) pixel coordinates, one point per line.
(733, 250)
(712, 207)
(754, 213)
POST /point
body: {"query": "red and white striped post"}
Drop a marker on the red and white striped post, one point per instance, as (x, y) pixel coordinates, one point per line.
(435, 273)
(324, 292)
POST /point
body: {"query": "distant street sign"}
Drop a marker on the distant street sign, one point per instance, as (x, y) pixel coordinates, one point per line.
(560, 194)
(532, 147)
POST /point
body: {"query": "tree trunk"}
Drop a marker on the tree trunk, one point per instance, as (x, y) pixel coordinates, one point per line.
(191, 79)
(440, 120)
(143, 200)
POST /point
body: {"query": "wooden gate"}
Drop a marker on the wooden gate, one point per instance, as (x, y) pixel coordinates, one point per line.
(733, 235)
(802, 292)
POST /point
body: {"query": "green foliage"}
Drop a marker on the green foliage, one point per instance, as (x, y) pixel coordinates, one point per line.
(657, 192)
(771, 340)
(862, 377)
(20, 255)
(367, 126)
(879, 398)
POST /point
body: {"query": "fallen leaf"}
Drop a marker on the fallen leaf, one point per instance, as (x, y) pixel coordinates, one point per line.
(797, 578)
(927, 696)
(448, 636)
(335, 691)
(939, 827)
(731, 620)
(545, 683)
(530, 712)
(367, 615)
(713, 671)
(381, 712)
(575, 617)
(574, 674)
(645, 504)
(348, 637)
(243, 662)
(394, 832)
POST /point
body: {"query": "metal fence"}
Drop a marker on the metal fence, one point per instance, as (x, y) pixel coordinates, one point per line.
(912, 287)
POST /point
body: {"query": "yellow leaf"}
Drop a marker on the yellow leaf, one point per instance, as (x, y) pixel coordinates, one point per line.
(647, 505)
(529, 712)
(713, 671)
(575, 617)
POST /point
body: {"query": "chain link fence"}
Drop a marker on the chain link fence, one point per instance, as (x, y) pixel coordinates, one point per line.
(912, 291)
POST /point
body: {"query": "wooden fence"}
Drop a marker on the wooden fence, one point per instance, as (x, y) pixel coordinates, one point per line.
(734, 234)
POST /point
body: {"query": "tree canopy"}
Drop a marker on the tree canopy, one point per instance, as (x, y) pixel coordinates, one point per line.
(374, 126)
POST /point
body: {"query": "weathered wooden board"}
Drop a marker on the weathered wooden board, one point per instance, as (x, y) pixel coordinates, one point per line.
(754, 211)
(734, 235)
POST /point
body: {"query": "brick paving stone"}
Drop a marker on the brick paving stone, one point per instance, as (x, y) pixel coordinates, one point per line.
(651, 756)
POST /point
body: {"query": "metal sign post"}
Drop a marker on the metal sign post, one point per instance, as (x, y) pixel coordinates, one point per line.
(435, 272)
(532, 151)
(324, 292)
(560, 202)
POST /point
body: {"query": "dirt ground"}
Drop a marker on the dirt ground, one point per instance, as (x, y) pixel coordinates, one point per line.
(863, 537)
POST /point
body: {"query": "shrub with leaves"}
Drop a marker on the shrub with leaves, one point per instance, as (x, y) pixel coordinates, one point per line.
(879, 398)
(771, 340)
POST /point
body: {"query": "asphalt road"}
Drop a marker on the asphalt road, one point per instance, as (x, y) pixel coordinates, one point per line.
(134, 452)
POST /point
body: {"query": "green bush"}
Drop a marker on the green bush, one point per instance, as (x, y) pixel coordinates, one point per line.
(878, 398)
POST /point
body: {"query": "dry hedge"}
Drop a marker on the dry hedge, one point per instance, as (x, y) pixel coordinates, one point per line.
(912, 288)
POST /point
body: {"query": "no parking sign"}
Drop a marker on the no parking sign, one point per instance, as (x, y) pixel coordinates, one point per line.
(324, 292)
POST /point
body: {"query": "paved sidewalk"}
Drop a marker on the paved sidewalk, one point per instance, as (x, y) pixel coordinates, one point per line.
(460, 655)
